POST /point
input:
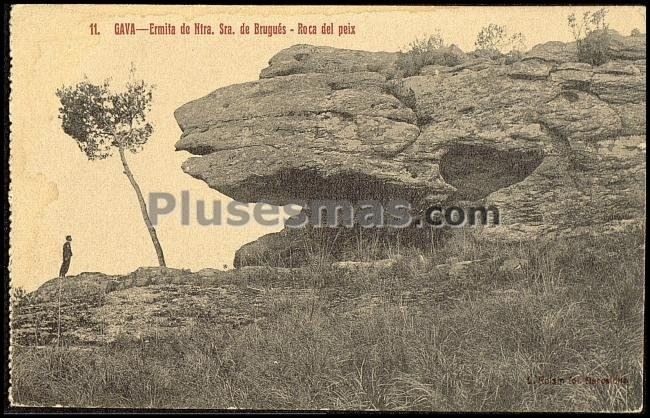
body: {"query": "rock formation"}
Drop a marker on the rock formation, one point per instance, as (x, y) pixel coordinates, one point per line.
(557, 145)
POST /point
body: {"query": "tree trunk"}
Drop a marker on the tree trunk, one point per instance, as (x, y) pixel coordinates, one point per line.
(58, 332)
(143, 209)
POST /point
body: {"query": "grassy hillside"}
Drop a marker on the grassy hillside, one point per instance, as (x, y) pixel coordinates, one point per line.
(428, 332)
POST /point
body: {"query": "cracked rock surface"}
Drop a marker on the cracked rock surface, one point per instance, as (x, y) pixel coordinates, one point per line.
(557, 145)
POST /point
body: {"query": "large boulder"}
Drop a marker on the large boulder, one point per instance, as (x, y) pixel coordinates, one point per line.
(617, 47)
(305, 59)
(558, 146)
(279, 249)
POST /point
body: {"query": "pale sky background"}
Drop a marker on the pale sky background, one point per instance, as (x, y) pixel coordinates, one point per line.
(56, 191)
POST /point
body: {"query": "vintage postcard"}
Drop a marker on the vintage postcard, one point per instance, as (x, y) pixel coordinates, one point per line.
(424, 208)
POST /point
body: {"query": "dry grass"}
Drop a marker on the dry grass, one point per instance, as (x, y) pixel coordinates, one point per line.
(468, 344)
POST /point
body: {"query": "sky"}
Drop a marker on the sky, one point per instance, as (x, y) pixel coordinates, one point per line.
(55, 191)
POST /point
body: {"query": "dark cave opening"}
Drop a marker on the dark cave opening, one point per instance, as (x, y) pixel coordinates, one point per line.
(476, 171)
(309, 185)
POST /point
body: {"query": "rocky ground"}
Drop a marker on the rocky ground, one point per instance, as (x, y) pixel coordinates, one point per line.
(152, 302)
(465, 327)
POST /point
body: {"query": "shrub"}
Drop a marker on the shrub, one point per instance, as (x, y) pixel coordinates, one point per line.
(495, 41)
(592, 36)
(430, 50)
(427, 44)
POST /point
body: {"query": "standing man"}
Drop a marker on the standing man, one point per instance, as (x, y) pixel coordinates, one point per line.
(67, 255)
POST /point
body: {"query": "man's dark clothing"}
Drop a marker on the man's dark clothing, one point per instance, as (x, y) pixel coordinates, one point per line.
(67, 255)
